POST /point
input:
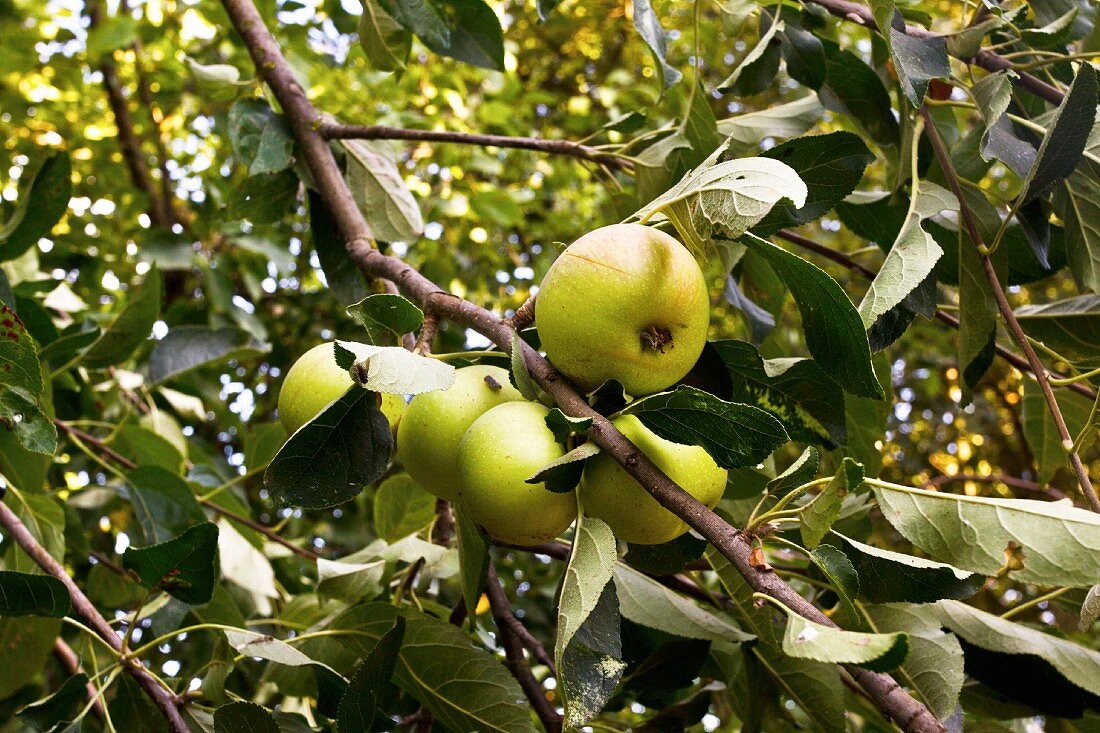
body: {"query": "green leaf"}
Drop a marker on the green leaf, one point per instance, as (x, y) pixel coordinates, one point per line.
(745, 131)
(588, 650)
(1047, 543)
(521, 378)
(244, 717)
(562, 475)
(854, 89)
(401, 508)
(45, 520)
(261, 139)
(734, 434)
(26, 646)
(649, 28)
(817, 517)
(1071, 326)
(183, 567)
(805, 56)
(41, 205)
(55, 712)
(1078, 664)
(890, 577)
(362, 702)
(564, 427)
(835, 334)
(464, 687)
(830, 165)
(754, 54)
(913, 255)
(993, 94)
(264, 199)
(645, 601)
(806, 639)
(131, 328)
(380, 190)
(473, 557)
(1040, 431)
(1090, 609)
(185, 348)
(23, 594)
(350, 580)
(344, 278)
(802, 471)
(146, 448)
(385, 41)
(917, 60)
(1077, 200)
(394, 370)
(836, 566)
(132, 709)
(934, 666)
(351, 438)
(808, 403)
(978, 312)
(20, 387)
(1067, 134)
(384, 314)
(263, 646)
(466, 30)
(729, 197)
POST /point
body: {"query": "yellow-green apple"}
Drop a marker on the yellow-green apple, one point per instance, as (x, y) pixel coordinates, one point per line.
(502, 449)
(434, 423)
(608, 492)
(627, 302)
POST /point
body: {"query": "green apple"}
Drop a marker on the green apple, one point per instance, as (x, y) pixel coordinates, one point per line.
(434, 423)
(502, 449)
(627, 302)
(315, 380)
(608, 492)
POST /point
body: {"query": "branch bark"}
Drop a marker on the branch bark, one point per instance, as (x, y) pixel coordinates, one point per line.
(1005, 308)
(507, 623)
(165, 700)
(336, 131)
(304, 120)
(68, 659)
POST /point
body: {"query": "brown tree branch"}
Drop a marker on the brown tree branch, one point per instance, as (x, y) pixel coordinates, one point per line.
(1005, 308)
(846, 261)
(159, 209)
(507, 624)
(304, 120)
(165, 700)
(996, 478)
(68, 659)
(988, 60)
(336, 131)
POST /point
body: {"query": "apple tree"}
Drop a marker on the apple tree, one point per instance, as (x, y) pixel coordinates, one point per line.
(484, 365)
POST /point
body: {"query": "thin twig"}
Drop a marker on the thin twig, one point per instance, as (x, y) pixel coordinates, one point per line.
(68, 659)
(507, 624)
(337, 131)
(303, 119)
(96, 443)
(166, 701)
(1009, 317)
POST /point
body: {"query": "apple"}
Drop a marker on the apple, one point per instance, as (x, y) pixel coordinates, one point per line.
(609, 493)
(627, 302)
(502, 449)
(434, 423)
(315, 380)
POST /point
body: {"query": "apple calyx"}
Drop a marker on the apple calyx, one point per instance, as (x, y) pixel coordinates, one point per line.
(656, 338)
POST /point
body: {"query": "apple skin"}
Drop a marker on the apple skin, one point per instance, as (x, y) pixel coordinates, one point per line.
(610, 295)
(434, 423)
(315, 380)
(501, 450)
(609, 493)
